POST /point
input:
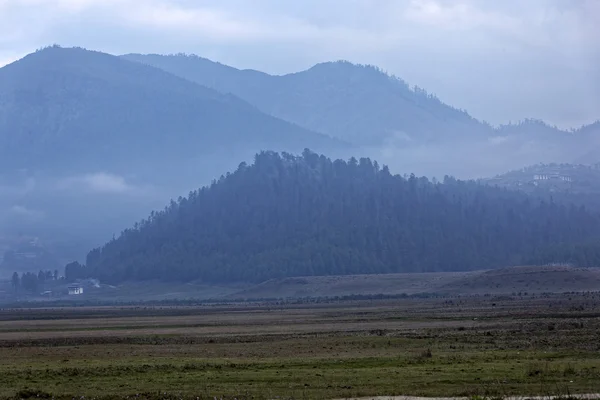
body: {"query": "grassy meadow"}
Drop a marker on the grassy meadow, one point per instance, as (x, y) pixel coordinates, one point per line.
(475, 346)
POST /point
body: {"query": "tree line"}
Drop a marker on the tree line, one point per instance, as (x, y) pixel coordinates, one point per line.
(288, 215)
(31, 281)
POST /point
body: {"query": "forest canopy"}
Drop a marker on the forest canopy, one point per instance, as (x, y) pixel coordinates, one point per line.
(288, 215)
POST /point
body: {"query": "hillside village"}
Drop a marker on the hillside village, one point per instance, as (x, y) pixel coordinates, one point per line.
(576, 178)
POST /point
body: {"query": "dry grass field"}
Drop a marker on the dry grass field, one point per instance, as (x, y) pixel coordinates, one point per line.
(510, 280)
(531, 279)
(453, 346)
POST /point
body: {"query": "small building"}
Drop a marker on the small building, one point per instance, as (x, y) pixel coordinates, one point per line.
(552, 177)
(75, 289)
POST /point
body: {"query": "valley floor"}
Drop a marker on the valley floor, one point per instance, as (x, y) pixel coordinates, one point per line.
(452, 346)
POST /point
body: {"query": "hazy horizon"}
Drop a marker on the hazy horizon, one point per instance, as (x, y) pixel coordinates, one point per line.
(500, 62)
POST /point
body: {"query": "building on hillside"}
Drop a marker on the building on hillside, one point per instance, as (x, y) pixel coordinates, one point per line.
(552, 177)
(75, 289)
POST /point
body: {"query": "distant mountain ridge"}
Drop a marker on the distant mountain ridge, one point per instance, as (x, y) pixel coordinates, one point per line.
(358, 103)
(534, 128)
(67, 106)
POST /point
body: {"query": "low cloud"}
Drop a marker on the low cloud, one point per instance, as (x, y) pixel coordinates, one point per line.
(498, 139)
(18, 188)
(23, 212)
(100, 182)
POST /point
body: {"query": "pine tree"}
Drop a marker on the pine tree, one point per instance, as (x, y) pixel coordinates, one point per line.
(15, 281)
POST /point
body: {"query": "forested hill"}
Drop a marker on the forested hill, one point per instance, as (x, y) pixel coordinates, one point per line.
(291, 216)
(74, 109)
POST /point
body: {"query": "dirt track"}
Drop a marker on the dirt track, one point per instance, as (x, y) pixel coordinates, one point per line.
(577, 396)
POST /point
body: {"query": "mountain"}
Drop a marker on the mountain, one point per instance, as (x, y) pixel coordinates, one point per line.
(534, 129)
(356, 103)
(286, 216)
(90, 142)
(406, 127)
(62, 108)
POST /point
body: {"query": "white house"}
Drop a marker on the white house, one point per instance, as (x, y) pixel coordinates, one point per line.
(75, 290)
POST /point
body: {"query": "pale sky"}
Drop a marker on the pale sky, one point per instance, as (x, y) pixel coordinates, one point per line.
(500, 60)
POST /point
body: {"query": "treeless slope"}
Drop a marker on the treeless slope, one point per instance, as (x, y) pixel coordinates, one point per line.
(532, 279)
(508, 280)
(329, 286)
